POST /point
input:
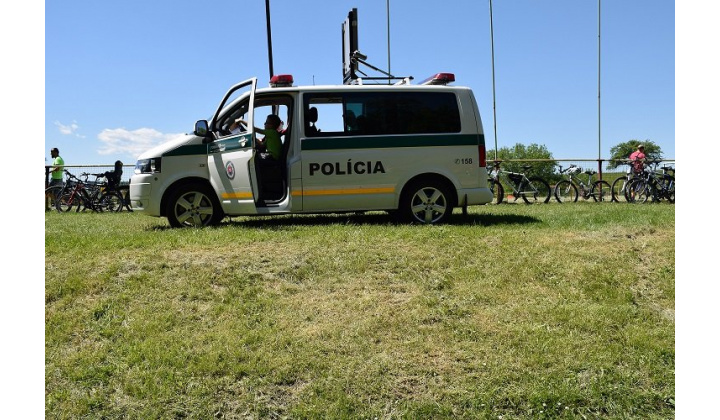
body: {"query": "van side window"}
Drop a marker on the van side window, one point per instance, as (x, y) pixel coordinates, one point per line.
(382, 113)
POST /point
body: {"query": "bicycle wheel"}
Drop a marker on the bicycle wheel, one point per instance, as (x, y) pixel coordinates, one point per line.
(638, 191)
(669, 188)
(601, 191)
(566, 192)
(618, 189)
(497, 190)
(66, 201)
(537, 190)
(111, 201)
(124, 191)
(52, 193)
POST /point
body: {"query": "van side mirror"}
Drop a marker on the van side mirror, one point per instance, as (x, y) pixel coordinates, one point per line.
(201, 128)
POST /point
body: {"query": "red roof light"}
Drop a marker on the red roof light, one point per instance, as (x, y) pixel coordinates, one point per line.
(281, 80)
(439, 79)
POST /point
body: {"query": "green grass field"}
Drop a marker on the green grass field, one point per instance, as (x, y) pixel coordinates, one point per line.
(514, 311)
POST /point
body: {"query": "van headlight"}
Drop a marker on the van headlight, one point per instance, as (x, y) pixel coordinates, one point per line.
(147, 166)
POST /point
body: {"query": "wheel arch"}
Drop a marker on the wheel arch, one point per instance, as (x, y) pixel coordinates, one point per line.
(179, 183)
(429, 176)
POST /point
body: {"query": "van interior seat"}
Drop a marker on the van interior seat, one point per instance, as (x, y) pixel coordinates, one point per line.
(310, 119)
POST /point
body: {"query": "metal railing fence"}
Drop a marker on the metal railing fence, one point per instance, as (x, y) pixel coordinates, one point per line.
(549, 169)
(92, 169)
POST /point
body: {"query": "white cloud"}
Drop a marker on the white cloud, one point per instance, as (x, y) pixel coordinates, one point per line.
(120, 141)
(68, 129)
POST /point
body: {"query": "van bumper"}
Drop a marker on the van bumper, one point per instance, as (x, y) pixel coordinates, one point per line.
(474, 196)
(140, 194)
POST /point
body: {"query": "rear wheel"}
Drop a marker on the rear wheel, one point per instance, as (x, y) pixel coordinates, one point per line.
(67, 200)
(537, 190)
(566, 192)
(193, 205)
(497, 190)
(601, 191)
(124, 191)
(52, 193)
(427, 201)
(111, 201)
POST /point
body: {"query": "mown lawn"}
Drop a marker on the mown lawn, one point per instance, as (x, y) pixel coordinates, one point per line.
(524, 312)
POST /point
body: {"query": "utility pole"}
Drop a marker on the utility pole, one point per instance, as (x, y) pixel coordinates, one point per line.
(599, 120)
(388, 35)
(269, 37)
(492, 52)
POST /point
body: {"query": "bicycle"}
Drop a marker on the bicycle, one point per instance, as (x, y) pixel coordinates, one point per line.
(570, 189)
(531, 189)
(80, 195)
(654, 184)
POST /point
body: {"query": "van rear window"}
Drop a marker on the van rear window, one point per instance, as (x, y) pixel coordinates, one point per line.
(382, 113)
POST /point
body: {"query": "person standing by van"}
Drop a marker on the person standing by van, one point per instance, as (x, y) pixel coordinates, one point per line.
(271, 142)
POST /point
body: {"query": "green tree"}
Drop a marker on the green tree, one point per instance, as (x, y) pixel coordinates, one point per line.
(621, 152)
(512, 159)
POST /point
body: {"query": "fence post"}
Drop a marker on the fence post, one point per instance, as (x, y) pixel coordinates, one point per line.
(600, 169)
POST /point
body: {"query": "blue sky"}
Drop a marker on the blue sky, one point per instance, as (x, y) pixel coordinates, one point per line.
(121, 77)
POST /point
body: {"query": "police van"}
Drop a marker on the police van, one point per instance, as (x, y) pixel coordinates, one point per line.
(415, 150)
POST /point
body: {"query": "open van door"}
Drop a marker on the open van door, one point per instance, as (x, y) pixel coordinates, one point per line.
(231, 155)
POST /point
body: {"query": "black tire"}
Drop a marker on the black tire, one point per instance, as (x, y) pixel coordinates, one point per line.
(67, 201)
(193, 205)
(497, 190)
(124, 191)
(669, 181)
(427, 201)
(618, 189)
(111, 201)
(536, 191)
(566, 192)
(52, 194)
(638, 191)
(601, 191)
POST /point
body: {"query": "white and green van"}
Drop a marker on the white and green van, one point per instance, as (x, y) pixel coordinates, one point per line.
(415, 150)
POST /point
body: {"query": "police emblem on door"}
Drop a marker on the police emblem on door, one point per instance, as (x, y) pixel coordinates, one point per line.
(230, 170)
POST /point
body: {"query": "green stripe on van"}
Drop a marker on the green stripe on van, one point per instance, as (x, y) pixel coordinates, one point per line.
(384, 142)
(194, 149)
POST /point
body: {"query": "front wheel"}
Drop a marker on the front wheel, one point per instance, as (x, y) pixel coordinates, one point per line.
(618, 189)
(427, 202)
(601, 191)
(638, 191)
(669, 188)
(537, 190)
(566, 192)
(193, 205)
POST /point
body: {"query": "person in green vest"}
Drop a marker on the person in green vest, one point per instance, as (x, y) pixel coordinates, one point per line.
(56, 173)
